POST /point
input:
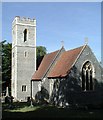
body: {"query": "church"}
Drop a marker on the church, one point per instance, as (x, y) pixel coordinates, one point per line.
(63, 77)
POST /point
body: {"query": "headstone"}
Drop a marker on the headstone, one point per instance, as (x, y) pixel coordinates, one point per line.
(7, 91)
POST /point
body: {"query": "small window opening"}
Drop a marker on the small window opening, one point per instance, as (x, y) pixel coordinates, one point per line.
(25, 35)
(23, 88)
(25, 54)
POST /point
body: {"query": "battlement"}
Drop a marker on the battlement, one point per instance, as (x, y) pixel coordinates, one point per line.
(24, 20)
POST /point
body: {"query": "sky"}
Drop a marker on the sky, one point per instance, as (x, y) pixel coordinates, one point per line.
(70, 22)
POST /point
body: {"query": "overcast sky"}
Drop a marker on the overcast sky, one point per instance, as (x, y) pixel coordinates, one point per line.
(70, 22)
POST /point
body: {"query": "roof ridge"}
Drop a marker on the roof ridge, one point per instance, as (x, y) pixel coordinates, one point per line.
(52, 62)
(76, 48)
(47, 55)
(52, 52)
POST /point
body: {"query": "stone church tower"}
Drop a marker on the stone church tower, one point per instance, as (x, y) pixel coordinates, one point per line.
(23, 57)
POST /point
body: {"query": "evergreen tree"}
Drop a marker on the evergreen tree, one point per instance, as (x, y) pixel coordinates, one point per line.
(6, 65)
(40, 52)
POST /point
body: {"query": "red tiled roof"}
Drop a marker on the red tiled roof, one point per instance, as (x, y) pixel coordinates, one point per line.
(47, 60)
(62, 65)
(65, 63)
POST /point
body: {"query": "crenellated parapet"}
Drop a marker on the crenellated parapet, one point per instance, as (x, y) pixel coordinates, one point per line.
(23, 21)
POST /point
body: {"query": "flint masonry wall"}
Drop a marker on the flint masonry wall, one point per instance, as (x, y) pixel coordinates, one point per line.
(23, 56)
(69, 90)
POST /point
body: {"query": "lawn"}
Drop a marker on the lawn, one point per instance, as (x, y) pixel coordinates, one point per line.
(25, 111)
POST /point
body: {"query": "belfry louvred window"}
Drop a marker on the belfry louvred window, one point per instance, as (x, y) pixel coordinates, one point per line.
(87, 76)
(25, 35)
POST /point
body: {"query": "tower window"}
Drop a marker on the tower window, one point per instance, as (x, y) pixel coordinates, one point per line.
(23, 88)
(25, 53)
(87, 77)
(25, 35)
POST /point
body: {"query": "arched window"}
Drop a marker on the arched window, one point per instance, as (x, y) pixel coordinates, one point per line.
(87, 76)
(25, 35)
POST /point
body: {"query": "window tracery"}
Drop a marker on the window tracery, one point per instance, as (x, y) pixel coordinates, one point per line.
(87, 76)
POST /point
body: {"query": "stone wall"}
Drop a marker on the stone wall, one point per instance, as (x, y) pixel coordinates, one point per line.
(23, 57)
(68, 91)
(36, 88)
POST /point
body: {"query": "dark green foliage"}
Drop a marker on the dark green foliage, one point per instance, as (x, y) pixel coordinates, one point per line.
(40, 52)
(6, 64)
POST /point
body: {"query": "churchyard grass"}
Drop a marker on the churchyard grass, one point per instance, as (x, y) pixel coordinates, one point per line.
(25, 111)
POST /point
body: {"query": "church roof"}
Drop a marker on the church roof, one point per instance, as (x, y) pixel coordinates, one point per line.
(45, 64)
(65, 63)
(62, 66)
